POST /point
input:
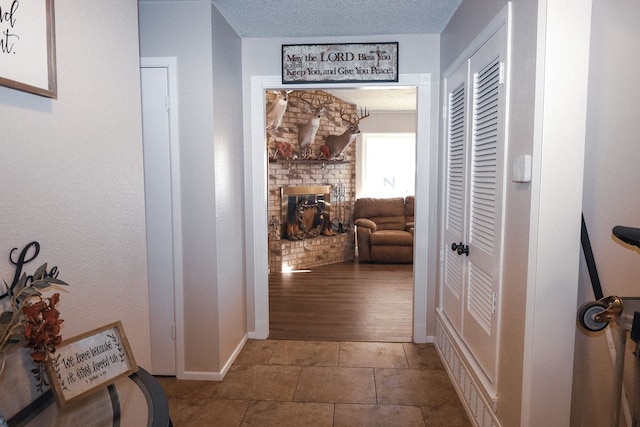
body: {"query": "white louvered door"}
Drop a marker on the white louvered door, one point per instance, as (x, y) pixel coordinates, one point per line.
(483, 148)
(486, 181)
(455, 217)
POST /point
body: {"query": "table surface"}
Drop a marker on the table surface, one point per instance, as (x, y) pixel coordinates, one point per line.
(136, 400)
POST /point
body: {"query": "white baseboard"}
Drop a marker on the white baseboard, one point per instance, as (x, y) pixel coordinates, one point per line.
(419, 334)
(261, 332)
(215, 376)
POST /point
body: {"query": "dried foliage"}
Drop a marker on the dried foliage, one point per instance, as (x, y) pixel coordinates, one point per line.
(33, 317)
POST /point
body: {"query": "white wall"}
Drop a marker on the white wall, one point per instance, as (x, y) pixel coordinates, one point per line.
(390, 122)
(417, 54)
(229, 184)
(183, 30)
(546, 119)
(71, 172)
(611, 194)
(209, 91)
(466, 24)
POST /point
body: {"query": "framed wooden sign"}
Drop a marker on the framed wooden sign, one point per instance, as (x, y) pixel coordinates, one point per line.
(344, 63)
(90, 361)
(27, 46)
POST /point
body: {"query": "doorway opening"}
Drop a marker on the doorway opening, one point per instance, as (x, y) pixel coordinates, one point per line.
(315, 142)
(257, 222)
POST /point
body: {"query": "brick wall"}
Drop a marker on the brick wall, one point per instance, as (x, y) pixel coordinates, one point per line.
(308, 253)
(296, 171)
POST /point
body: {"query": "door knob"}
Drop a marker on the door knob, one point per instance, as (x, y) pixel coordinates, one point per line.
(460, 248)
(463, 249)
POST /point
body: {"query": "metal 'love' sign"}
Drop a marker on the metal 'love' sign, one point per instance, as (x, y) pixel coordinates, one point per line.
(26, 255)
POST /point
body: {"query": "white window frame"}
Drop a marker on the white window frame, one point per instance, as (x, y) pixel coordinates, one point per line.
(361, 156)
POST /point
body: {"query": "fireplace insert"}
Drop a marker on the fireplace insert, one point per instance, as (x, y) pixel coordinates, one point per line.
(306, 211)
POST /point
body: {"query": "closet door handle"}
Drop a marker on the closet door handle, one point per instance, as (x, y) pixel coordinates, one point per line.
(463, 249)
(460, 248)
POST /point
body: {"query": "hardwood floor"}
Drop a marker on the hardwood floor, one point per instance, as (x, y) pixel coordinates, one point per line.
(347, 301)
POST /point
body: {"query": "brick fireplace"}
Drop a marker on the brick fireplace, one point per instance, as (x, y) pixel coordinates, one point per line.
(317, 245)
(330, 181)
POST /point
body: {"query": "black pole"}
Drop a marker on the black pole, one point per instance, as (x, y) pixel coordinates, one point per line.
(591, 262)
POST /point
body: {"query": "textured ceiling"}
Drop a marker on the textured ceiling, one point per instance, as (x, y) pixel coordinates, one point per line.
(321, 18)
(329, 18)
(313, 18)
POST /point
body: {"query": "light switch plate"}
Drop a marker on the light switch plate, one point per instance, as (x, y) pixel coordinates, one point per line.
(522, 168)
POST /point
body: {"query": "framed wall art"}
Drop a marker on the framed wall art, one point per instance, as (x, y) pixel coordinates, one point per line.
(27, 46)
(343, 63)
(88, 362)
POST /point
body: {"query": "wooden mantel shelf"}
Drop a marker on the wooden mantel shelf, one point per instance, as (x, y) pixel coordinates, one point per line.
(309, 161)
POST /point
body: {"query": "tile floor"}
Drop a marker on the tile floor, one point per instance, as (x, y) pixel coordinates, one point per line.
(322, 383)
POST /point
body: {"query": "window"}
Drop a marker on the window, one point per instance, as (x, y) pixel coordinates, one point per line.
(387, 165)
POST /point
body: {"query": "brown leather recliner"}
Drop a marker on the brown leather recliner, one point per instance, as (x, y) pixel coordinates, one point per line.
(384, 229)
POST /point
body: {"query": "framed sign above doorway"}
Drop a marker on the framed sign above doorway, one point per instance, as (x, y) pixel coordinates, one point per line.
(344, 63)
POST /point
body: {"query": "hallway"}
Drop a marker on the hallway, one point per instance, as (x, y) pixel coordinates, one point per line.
(322, 383)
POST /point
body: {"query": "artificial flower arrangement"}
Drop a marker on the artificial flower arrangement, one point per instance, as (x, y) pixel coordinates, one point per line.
(32, 317)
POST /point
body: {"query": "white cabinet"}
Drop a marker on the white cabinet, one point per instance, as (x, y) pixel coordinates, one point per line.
(474, 179)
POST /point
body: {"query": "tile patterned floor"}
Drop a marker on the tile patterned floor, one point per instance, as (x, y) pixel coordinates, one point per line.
(322, 383)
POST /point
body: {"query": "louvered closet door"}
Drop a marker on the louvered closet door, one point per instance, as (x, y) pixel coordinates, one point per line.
(455, 215)
(485, 181)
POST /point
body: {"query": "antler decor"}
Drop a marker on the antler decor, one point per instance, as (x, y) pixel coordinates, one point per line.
(335, 145)
(307, 131)
(276, 110)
